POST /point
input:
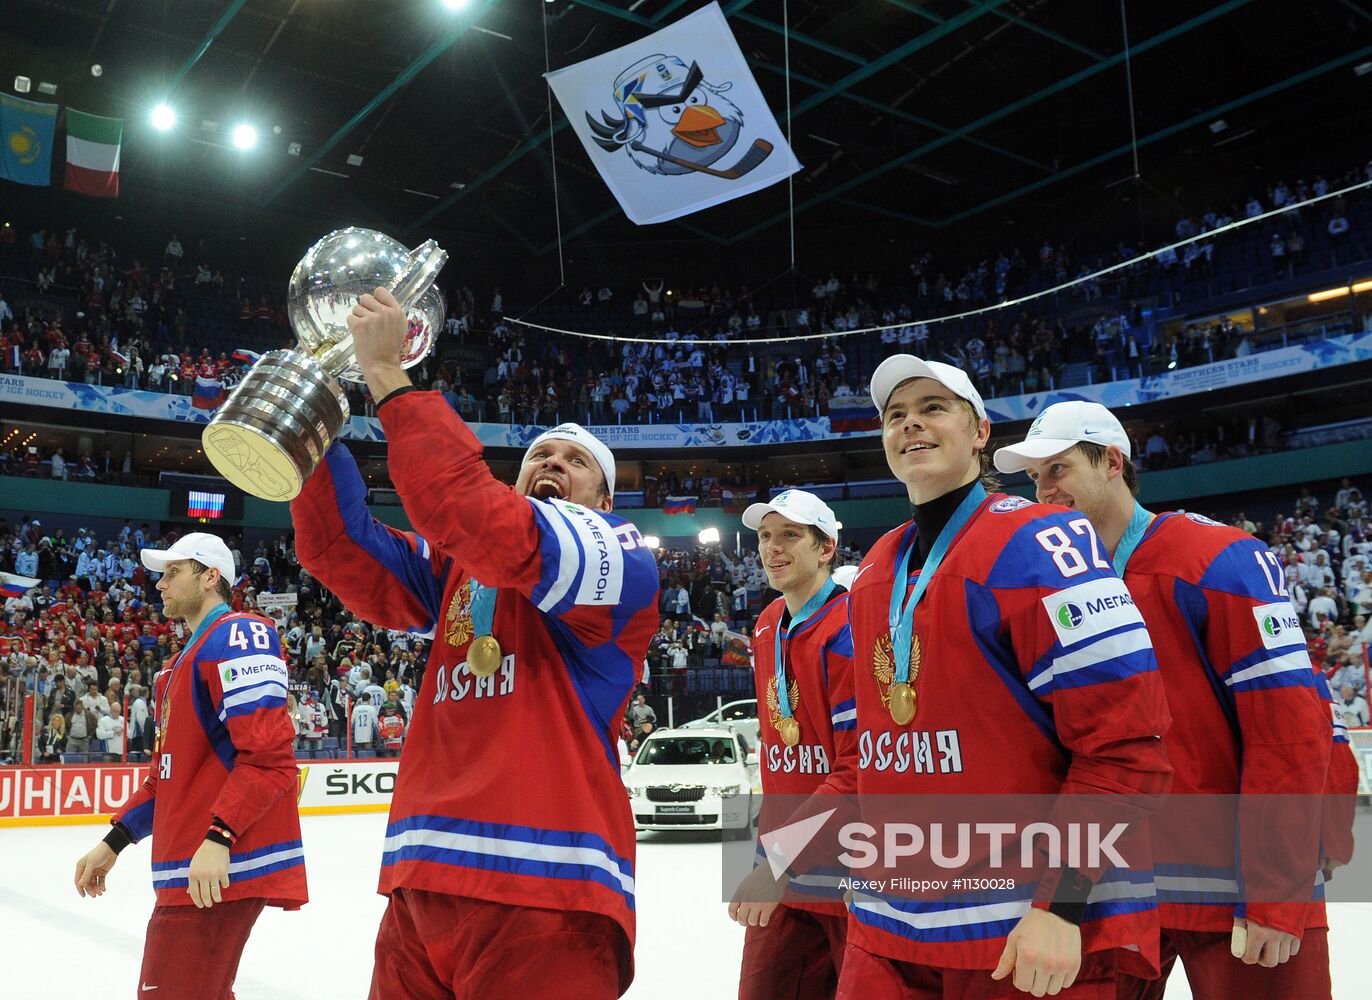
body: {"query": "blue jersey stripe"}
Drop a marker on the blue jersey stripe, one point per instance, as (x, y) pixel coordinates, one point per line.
(505, 865)
(984, 618)
(249, 707)
(1107, 671)
(503, 831)
(138, 820)
(558, 854)
(407, 561)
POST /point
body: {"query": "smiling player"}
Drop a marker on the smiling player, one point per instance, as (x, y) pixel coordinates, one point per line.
(509, 855)
(802, 653)
(1246, 718)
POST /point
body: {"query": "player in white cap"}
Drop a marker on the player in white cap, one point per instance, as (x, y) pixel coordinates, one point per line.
(504, 876)
(1245, 719)
(803, 672)
(219, 800)
(955, 646)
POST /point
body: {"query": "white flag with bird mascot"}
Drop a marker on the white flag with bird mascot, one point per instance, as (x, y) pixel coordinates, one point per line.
(675, 122)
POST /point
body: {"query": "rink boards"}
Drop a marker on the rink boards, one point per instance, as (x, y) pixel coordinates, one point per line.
(62, 795)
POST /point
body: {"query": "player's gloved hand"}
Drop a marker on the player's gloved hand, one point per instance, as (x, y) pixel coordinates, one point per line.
(757, 896)
(1044, 952)
(209, 872)
(1254, 944)
(92, 869)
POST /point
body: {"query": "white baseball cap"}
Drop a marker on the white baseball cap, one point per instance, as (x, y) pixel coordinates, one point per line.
(203, 548)
(1058, 428)
(575, 432)
(794, 505)
(900, 368)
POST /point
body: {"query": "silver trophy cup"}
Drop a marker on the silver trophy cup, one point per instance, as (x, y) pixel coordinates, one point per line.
(274, 428)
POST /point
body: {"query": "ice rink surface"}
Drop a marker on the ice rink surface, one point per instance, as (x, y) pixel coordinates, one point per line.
(57, 945)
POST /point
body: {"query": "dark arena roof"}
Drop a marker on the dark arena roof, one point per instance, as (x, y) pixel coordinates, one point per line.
(918, 122)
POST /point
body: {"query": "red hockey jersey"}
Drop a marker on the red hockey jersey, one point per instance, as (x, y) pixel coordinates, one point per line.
(819, 660)
(1036, 677)
(509, 787)
(225, 748)
(1241, 692)
(1340, 786)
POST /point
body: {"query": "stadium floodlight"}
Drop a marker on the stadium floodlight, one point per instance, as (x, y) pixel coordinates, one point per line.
(709, 536)
(454, 4)
(652, 542)
(244, 136)
(163, 117)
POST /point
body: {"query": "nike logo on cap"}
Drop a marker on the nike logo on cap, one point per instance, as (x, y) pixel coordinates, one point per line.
(146, 987)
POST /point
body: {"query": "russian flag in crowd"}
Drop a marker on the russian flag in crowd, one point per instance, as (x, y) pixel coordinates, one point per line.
(121, 357)
(679, 505)
(850, 414)
(13, 585)
(736, 501)
(208, 393)
(246, 356)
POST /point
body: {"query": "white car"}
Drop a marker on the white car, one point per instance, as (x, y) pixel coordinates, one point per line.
(696, 779)
(740, 716)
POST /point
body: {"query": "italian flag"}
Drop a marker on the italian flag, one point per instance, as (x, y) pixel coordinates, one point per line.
(93, 154)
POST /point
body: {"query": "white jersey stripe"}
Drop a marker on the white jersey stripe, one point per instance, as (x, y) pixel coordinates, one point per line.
(569, 558)
(1101, 651)
(235, 867)
(496, 847)
(1298, 660)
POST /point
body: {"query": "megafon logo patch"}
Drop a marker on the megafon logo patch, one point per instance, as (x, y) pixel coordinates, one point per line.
(1279, 625)
(1090, 609)
(1070, 616)
(246, 671)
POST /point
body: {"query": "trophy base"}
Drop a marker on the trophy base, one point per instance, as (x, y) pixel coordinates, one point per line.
(276, 425)
(252, 461)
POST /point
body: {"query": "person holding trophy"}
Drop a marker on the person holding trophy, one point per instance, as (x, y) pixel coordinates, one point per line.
(509, 874)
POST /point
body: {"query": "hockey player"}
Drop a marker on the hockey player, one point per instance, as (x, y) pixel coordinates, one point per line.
(509, 855)
(803, 671)
(977, 671)
(1241, 693)
(219, 799)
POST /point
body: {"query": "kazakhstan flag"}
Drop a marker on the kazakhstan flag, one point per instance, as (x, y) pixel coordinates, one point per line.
(26, 128)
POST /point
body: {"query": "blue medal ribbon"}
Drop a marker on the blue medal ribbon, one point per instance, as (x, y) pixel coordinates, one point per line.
(1138, 524)
(160, 717)
(483, 607)
(902, 615)
(811, 606)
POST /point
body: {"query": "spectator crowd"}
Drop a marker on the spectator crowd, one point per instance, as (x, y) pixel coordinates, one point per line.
(88, 639)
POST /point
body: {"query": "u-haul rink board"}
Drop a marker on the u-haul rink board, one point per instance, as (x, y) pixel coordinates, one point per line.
(60, 795)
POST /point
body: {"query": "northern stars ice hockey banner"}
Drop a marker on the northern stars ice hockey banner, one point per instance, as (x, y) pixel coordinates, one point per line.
(675, 122)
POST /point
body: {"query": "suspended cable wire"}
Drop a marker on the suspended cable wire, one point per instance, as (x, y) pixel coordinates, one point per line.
(791, 177)
(1129, 86)
(981, 311)
(552, 149)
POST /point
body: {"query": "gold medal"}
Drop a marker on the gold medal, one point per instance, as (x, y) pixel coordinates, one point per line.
(789, 729)
(902, 703)
(484, 656)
